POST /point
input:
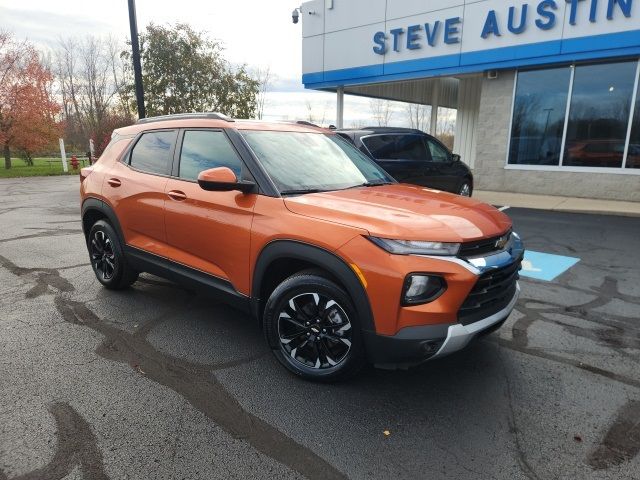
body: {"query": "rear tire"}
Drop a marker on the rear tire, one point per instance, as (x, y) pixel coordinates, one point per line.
(107, 257)
(313, 330)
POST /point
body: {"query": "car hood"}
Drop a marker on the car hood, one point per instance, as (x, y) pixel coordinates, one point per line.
(404, 212)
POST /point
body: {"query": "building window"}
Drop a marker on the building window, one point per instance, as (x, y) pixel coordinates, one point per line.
(599, 115)
(593, 128)
(538, 116)
(633, 154)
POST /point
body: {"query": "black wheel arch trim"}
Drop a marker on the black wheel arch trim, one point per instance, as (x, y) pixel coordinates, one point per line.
(95, 204)
(329, 261)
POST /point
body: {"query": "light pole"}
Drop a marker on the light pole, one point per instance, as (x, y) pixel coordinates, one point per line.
(137, 68)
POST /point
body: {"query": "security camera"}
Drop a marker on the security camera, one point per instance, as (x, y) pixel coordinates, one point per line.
(295, 16)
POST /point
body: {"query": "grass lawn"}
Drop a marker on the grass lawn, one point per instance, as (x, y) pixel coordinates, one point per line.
(41, 167)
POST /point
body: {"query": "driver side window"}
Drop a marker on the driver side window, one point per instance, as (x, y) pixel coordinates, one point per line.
(438, 152)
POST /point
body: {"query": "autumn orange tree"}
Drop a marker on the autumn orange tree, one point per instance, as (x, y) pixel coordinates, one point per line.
(27, 106)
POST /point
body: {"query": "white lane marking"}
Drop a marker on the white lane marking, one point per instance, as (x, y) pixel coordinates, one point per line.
(506, 207)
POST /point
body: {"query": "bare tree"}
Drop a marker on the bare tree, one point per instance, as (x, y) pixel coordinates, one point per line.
(419, 116)
(92, 79)
(381, 111)
(264, 77)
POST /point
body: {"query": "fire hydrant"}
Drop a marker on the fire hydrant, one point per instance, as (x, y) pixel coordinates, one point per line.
(74, 162)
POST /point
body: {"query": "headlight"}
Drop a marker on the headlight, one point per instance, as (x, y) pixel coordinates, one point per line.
(413, 247)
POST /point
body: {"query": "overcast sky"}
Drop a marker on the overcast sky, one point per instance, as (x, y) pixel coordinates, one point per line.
(259, 33)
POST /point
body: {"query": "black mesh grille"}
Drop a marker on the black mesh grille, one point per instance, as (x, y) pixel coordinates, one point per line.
(492, 292)
(480, 247)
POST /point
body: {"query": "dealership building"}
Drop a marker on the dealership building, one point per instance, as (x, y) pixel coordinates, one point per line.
(546, 91)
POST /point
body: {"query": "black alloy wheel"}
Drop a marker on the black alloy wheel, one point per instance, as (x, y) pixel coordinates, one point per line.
(107, 257)
(102, 256)
(314, 330)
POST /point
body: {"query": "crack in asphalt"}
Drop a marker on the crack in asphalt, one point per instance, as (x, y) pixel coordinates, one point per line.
(194, 382)
(76, 447)
(52, 232)
(201, 388)
(621, 442)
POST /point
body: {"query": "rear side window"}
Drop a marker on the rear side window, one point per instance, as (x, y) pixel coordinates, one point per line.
(153, 152)
(205, 149)
(397, 147)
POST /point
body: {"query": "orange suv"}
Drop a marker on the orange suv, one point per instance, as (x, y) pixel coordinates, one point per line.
(338, 262)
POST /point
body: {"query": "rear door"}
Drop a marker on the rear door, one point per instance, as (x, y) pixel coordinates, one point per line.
(136, 185)
(209, 231)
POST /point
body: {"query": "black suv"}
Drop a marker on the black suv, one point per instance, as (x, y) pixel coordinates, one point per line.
(412, 156)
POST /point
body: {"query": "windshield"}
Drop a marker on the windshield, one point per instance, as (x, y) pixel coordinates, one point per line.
(299, 162)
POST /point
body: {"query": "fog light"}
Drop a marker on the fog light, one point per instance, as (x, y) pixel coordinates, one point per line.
(420, 289)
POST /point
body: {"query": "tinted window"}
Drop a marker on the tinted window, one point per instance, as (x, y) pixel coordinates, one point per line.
(202, 150)
(397, 147)
(438, 152)
(599, 114)
(538, 116)
(152, 153)
(296, 160)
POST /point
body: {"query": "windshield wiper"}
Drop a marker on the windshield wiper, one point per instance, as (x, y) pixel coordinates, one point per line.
(372, 184)
(301, 191)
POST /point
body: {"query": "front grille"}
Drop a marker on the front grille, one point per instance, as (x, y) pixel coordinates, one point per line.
(480, 247)
(492, 292)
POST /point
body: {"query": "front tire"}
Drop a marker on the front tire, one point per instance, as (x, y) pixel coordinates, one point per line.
(313, 330)
(107, 257)
(465, 189)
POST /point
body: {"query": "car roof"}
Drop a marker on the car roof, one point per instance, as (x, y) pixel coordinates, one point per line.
(216, 120)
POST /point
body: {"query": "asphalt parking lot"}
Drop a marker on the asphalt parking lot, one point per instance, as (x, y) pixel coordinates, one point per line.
(157, 382)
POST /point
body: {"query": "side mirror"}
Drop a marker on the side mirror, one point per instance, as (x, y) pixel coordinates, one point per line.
(455, 157)
(222, 179)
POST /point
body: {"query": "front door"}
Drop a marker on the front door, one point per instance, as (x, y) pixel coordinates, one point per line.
(209, 231)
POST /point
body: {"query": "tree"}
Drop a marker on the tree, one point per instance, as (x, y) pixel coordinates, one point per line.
(381, 111)
(184, 71)
(27, 106)
(92, 79)
(264, 79)
(418, 115)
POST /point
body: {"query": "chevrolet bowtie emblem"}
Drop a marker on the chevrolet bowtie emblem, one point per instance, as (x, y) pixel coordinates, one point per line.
(502, 241)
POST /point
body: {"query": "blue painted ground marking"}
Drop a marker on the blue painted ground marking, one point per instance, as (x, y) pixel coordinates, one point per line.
(545, 266)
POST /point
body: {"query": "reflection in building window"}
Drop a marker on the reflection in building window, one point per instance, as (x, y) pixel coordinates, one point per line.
(538, 116)
(599, 114)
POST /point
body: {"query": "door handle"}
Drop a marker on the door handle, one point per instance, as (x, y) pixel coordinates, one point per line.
(177, 195)
(114, 182)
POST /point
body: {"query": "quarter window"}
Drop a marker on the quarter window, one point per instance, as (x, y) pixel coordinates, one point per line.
(152, 152)
(205, 149)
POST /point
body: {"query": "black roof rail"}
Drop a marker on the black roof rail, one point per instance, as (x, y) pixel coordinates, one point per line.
(186, 116)
(301, 122)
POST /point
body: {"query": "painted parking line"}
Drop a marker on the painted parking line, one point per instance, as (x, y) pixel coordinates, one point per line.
(545, 266)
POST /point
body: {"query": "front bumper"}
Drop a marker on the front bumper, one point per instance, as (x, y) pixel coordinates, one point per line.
(415, 345)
